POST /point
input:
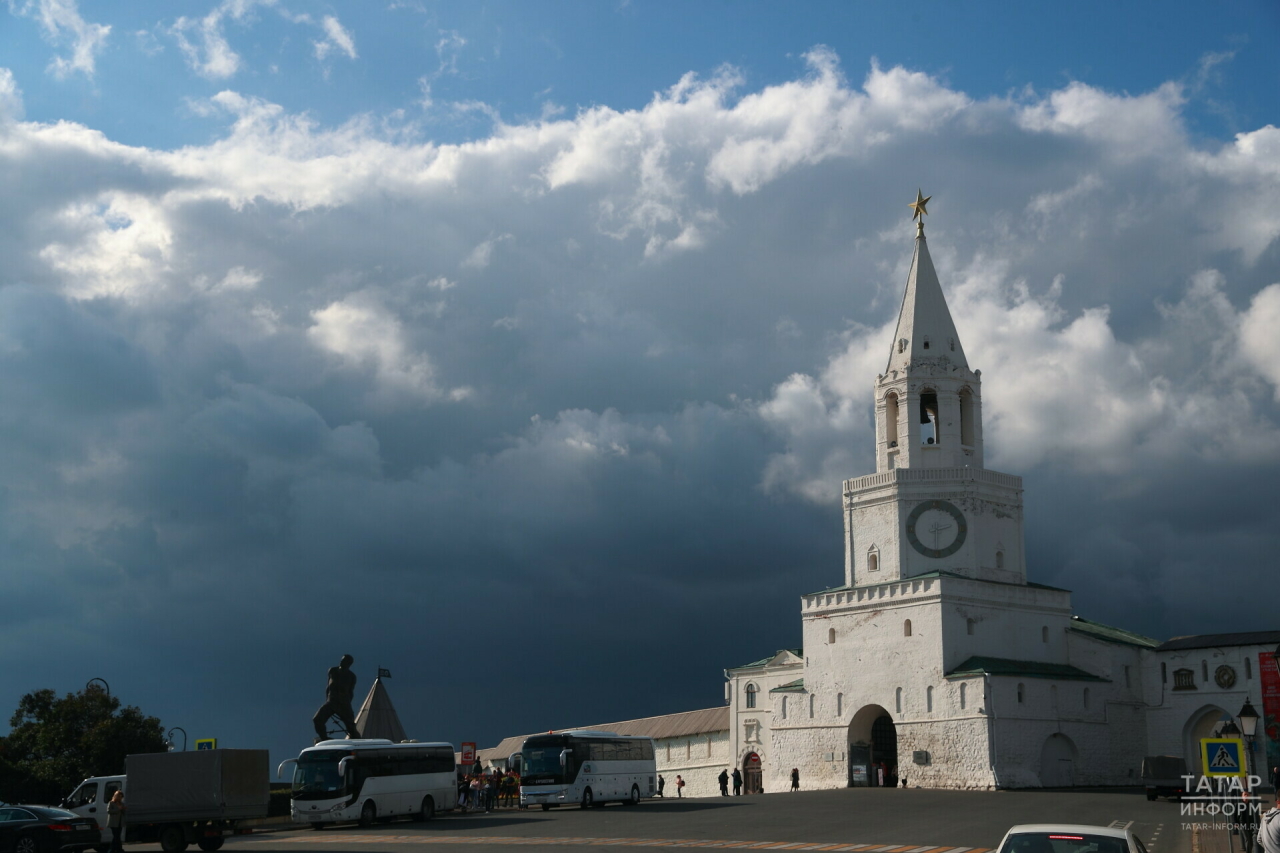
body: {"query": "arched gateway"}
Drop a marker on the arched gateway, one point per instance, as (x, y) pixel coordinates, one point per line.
(752, 774)
(873, 748)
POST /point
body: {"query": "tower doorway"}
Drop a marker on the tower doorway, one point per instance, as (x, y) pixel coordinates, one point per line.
(752, 774)
(1058, 762)
(873, 748)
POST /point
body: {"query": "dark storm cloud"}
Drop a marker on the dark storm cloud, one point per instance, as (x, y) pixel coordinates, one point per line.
(561, 415)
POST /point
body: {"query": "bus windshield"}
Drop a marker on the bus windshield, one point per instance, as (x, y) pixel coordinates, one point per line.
(541, 762)
(316, 776)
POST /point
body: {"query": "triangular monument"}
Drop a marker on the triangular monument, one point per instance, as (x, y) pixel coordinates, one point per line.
(378, 717)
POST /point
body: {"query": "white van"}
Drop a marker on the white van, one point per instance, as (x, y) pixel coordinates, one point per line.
(91, 798)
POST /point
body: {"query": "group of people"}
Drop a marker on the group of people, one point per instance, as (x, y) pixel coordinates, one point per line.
(662, 786)
(724, 779)
(488, 791)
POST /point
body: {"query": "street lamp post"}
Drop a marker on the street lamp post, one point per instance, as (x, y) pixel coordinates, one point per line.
(169, 738)
(91, 685)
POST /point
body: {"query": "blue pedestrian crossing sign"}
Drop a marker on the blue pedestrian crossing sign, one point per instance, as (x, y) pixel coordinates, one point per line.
(1223, 756)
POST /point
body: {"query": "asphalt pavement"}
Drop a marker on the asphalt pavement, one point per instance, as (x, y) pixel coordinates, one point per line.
(865, 820)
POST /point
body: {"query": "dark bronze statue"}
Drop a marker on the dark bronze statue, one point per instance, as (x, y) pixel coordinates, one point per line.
(337, 700)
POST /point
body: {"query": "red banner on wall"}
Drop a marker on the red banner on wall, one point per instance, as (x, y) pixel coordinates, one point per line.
(1270, 678)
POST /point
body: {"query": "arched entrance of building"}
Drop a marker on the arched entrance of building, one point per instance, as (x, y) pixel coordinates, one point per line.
(752, 774)
(1058, 762)
(1202, 724)
(873, 748)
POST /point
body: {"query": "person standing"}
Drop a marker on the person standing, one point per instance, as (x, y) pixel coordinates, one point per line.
(338, 693)
(679, 787)
(723, 778)
(1275, 781)
(1270, 830)
(115, 819)
(662, 783)
(795, 778)
(737, 782)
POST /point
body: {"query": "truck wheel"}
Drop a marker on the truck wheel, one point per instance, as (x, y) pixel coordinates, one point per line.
(173, 839)
(428, 809)
(26, 844)
(210, 843)
(368, 814)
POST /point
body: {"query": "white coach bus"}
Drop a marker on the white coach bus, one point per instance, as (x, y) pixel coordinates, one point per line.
(587, 768)
(339, 781)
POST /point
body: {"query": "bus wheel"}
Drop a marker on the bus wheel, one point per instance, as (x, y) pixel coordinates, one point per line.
(587, 800)
(428, 809)
(368, 814)
(317, 826)
(210, 843)
(634, 799)
(546, 807)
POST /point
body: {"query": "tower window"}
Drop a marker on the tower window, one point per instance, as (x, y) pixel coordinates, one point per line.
(928, 699)
(1044, 633)
(891, 419)
(751, 695)
(929, 418)
(966, 417)
(926, 342)
(953, 344)
(1021, 693)
(963, 695)
(873, 560)
(906, 628)
(1086, 697)
(968, 626)
(831, 636)
(897, 700)
(902, 345)
(1248, 668)
(999, 559)
(839, 704)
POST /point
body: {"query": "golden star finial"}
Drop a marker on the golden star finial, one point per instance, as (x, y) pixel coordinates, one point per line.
(918, 206)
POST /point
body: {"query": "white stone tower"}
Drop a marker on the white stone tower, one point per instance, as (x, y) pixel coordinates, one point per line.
(931, 505)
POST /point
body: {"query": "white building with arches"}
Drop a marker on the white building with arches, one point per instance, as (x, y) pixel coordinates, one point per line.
(936, 660)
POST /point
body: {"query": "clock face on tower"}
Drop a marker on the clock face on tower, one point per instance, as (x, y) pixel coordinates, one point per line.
(936, 528)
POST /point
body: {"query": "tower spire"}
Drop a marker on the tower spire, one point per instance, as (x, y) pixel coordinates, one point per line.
(925, 328)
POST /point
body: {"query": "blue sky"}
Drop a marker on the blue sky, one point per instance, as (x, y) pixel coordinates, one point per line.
(429, 332)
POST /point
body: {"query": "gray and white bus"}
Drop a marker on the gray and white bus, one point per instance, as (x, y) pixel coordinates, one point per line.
(588, 768)
(339, 781)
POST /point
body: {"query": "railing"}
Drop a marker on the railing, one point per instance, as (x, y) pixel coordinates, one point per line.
(906, 475)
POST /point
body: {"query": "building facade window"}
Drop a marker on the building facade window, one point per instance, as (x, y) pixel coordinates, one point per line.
(1021, 691)
(906, 628)
(811, 699)
(999, 559)
(784, 707)
(751, 695)
(831, 636)
(964, 690)
(1086, 697)
(839, 704)
(897, 700)
(1164, 673)
(1126, 677)
(1248, 668)
(1204, 670)
(1044, 633)
(928, 699)
(1184, 679)
(968, 626)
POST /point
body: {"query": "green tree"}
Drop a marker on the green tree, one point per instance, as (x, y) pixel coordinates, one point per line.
(54, 743)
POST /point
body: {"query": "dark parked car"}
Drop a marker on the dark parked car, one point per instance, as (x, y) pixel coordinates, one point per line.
(40, 829)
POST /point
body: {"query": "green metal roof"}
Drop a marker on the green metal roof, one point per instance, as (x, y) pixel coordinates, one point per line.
(766, 661)
(796, 686)
(1110, 634)
(941, 573)
(979, 665)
